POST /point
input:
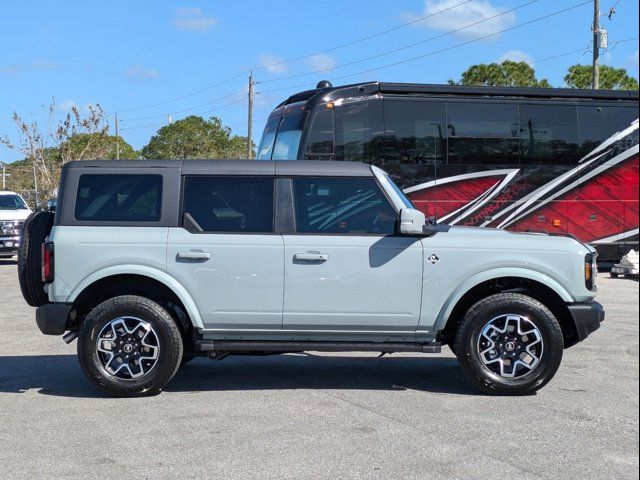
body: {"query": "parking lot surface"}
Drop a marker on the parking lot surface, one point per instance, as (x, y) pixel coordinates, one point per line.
(319, 415)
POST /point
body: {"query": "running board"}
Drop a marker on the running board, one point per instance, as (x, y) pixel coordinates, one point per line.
(280, 346)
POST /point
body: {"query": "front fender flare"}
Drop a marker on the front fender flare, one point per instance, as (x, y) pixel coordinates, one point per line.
(144, 271)
(493, 274)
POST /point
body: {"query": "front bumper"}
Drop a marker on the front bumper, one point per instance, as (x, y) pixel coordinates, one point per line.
(9, 245)
(587, 318)
(53, 318)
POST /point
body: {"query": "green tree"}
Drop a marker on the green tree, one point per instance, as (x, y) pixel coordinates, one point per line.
(505, 74)
(90, 146)
(579, 76)
(195, 137)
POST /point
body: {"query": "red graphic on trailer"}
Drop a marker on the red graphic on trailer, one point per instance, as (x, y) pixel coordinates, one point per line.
(596, 201)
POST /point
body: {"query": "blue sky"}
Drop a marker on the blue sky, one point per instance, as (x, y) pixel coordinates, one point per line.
(126, 55)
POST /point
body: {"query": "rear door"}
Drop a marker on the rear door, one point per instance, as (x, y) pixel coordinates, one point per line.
(345, 269)
(226, 253)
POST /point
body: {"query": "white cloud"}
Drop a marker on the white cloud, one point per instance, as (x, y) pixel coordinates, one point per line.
(193, 20)
(272, 63)
(515, 56)
(634, 60)
(66, 106)
(320, 62)
(36, 65)
(138, 72)
(467, 14)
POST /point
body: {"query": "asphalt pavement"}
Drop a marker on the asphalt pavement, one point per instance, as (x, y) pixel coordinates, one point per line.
(338, 416)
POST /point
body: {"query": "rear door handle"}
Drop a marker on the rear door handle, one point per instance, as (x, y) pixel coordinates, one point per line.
(194, 256)
(311, 257)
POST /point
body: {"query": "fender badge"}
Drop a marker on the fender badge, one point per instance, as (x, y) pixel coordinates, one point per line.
(433, 258)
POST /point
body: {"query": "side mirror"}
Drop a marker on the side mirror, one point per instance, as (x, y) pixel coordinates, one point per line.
(412, 221)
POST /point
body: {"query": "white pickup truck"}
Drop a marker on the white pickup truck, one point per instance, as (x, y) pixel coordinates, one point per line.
(13, 213)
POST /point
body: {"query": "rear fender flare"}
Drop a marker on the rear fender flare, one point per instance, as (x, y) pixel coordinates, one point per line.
(144, 271)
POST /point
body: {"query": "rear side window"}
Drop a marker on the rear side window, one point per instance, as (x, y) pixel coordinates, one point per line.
(549, 134)
(485, 133)
(230, 204)
(414, 132)
(351, 206)
(119, 198)
(597, 123)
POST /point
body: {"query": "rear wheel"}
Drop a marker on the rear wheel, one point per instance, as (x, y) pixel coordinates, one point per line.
(130, 346)
(509, 344)
(36, 229)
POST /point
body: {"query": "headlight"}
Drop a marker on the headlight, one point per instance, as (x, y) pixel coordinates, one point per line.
(590, 270)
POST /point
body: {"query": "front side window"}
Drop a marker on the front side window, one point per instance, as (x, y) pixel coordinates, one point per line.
(12, 202)
(119, 198)
(230, 204)
(348, 206)
(288, 137)
(320, 143)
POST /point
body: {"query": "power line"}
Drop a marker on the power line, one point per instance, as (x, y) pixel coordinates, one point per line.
(399, 49)
(182, 97)
(524, 24)
(434, 52)
(205, 112)
(259, 67)
(185, 109)
(360, 40)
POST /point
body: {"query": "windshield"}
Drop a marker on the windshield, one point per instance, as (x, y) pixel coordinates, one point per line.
(268, 136)
(12, 202)
(403, 197)
(288, 138)
(281, 138)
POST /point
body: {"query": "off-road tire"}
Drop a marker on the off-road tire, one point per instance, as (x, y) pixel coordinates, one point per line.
(169, 339)
(36, 229)
(508, 303)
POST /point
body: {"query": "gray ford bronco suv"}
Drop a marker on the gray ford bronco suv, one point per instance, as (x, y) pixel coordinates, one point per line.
(152, 263)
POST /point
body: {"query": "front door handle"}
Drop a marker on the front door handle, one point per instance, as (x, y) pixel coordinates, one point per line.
(194, 256)
(311, 257)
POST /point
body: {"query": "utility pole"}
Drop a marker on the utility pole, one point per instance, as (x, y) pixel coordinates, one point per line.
(117, 137)
(595, 74)
(4, 176)
(250, 118)
(35, 184)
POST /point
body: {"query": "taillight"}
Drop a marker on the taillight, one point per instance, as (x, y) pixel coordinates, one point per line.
(47, 262)
(590, 270)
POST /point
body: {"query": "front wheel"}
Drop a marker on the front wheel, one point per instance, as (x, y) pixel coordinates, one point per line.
(130, 346)
(509, 344)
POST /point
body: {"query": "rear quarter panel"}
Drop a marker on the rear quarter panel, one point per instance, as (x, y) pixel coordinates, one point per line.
(82, 251)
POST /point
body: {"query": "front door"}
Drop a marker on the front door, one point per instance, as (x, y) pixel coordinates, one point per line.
(345, 269)
(227, 255)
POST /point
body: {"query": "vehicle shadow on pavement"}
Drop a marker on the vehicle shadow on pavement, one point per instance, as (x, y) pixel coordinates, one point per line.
(60, 375)
(8, 261)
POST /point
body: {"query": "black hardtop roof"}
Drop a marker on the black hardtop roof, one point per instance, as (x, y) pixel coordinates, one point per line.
(372, 88)
(235, 167)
